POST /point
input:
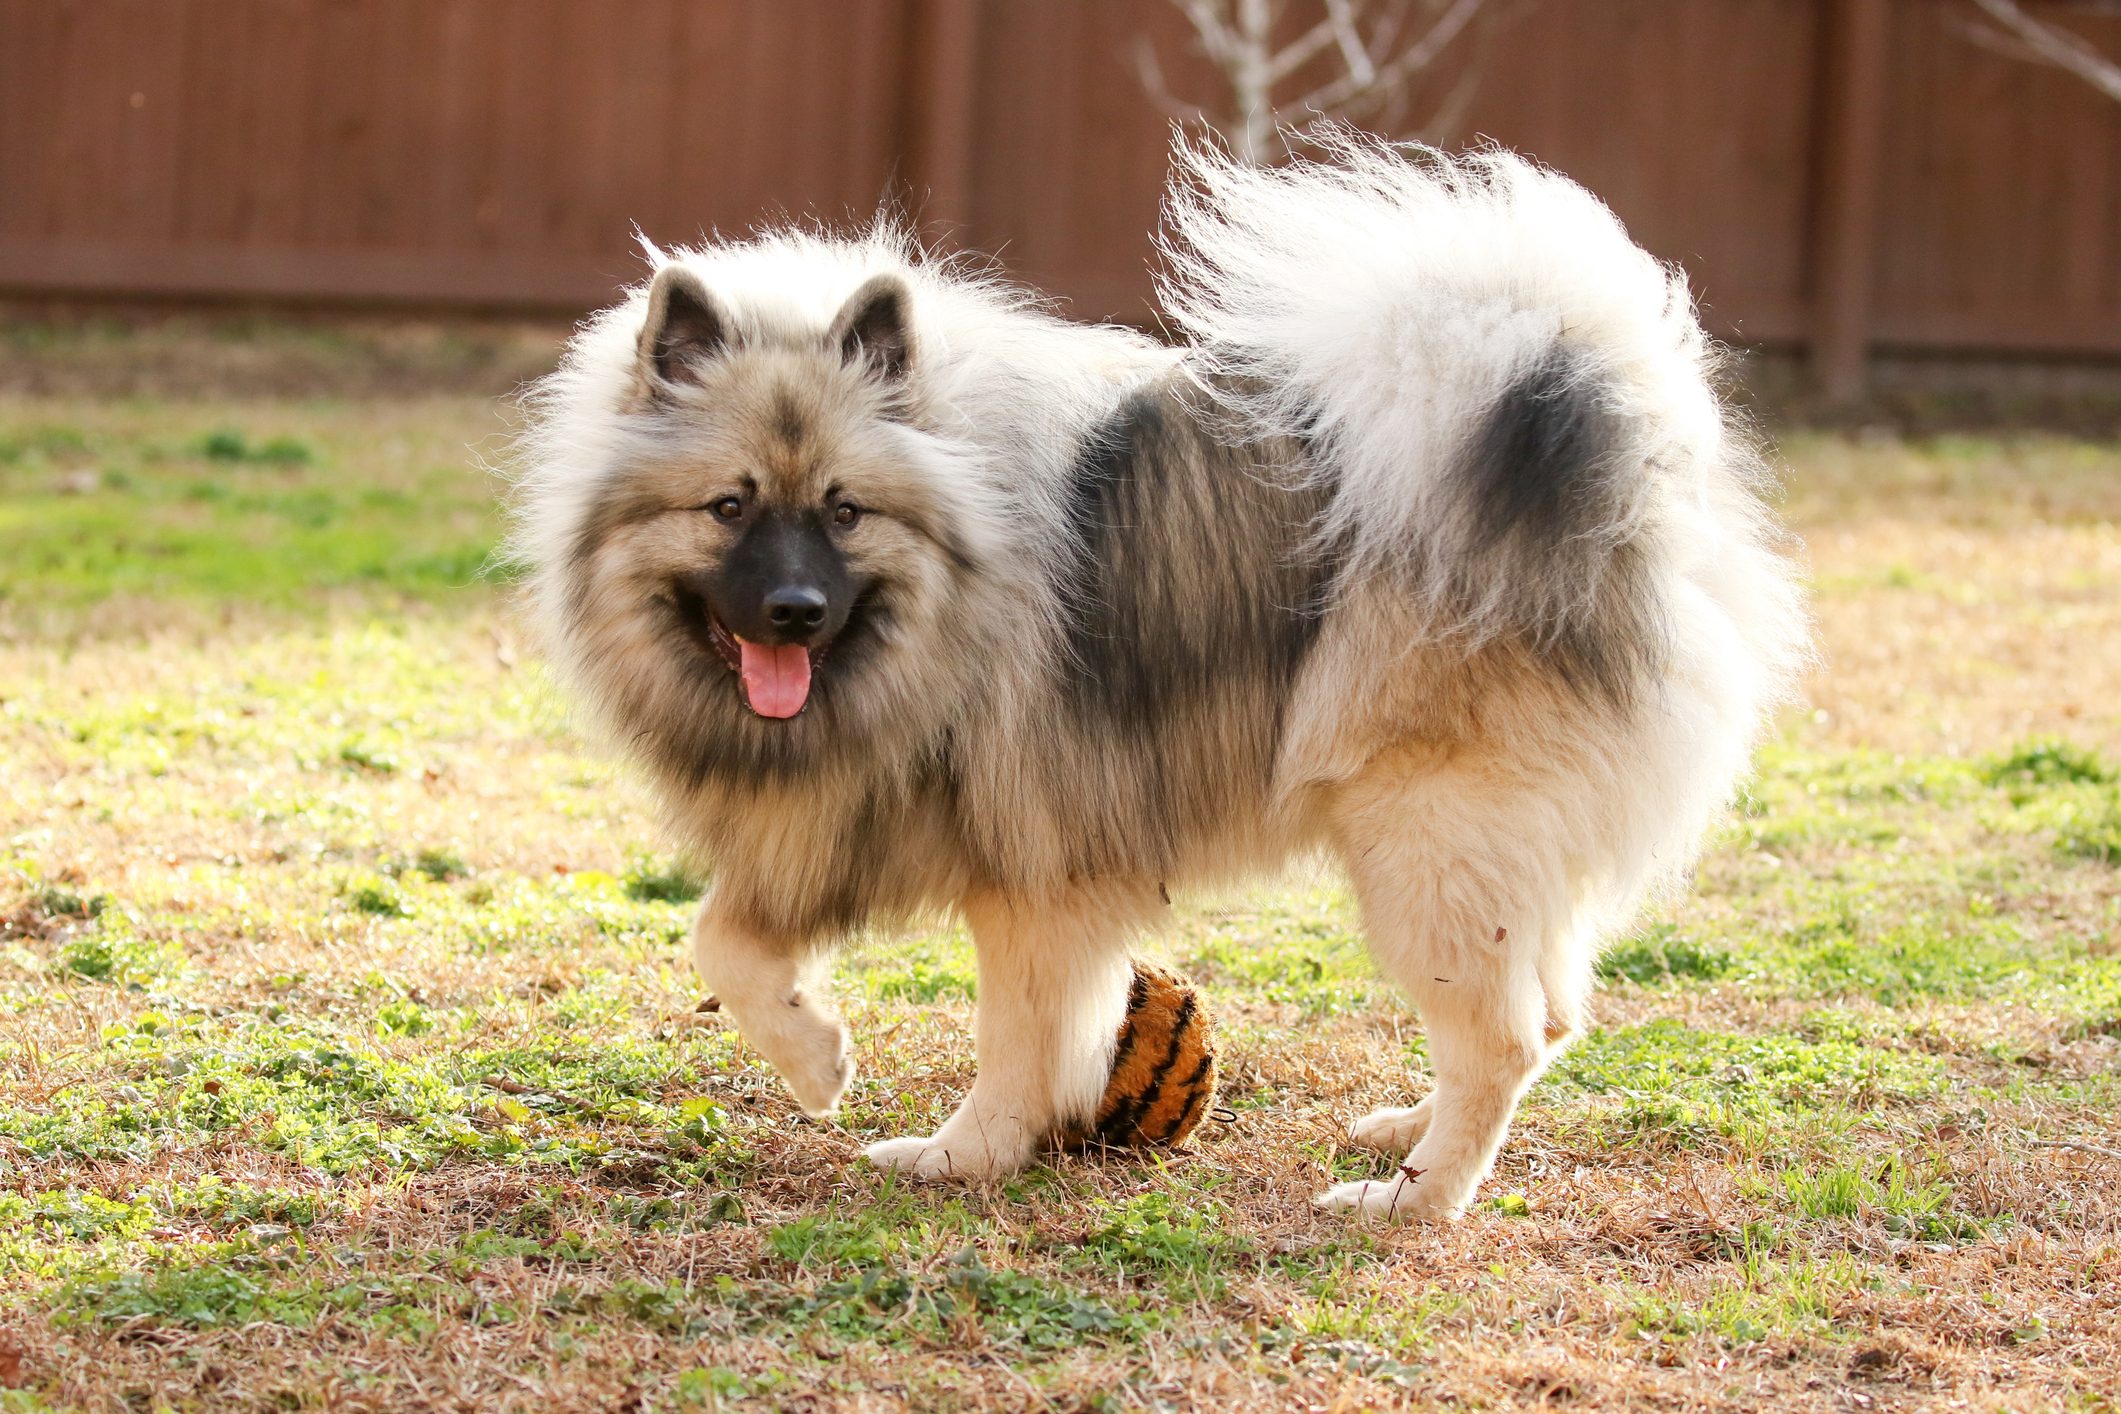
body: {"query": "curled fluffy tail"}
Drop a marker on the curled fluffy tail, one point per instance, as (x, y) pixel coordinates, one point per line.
(1507, 396)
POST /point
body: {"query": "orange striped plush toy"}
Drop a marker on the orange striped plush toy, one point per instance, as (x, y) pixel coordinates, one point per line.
(1163, 1074)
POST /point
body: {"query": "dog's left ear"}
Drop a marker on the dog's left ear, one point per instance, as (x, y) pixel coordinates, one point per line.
(875, 327)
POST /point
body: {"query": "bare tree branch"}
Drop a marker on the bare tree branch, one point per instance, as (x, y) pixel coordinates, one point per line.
(1206, 18)
(2050, 44)
(1331, 99)
(1343, 19)
(1303, 50)
(1373, 44)
(1385, 37)
(1151, 74)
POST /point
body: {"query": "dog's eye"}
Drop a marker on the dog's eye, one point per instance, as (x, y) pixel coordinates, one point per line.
(846, 513)
(728, 508)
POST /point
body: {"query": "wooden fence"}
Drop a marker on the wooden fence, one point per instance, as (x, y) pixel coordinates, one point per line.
(1844, 174)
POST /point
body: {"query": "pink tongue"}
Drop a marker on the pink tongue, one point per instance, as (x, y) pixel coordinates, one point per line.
(776, 680)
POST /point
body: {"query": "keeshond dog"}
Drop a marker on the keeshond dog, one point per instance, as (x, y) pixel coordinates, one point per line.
(1429, 549)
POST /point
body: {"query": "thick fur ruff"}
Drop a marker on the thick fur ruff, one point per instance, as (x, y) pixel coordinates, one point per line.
(1432, 549)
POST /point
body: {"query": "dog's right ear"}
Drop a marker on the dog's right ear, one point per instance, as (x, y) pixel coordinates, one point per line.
(686, 328)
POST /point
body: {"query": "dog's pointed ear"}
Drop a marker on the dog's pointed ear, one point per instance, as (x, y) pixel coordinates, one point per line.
(875, 327)
(685, 329)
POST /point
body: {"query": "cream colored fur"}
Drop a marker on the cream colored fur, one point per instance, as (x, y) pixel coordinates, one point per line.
(1355, 328)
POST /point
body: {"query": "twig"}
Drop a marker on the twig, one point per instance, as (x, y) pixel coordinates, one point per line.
(2052, 45)
(1307, 46)
(1330, 99)
(516, 1087)
(1342, 17)
(2077, 1144)
(1151, 74)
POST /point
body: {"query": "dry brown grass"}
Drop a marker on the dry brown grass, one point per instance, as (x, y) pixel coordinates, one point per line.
(1895, 1182)
(1967, 592)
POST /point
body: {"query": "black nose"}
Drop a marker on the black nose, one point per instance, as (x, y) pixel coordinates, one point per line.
(796, 608)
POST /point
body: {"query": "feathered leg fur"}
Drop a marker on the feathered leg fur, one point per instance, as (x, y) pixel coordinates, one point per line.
(1482, 873)
(1053, 981)
(773, 989)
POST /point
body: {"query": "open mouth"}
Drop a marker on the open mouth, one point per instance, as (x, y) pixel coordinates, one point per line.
(774, 679)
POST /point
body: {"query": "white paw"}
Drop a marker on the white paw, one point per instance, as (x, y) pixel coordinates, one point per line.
(818, 1073)
(965, 1148)
(806, 1043)
(1390, 1200)
(1390, 1131)
(933, 1157)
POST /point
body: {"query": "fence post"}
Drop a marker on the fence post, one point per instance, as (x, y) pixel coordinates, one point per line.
(1851, 153)
(941, 80)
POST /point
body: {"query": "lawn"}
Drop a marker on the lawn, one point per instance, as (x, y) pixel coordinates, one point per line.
(349, 1057)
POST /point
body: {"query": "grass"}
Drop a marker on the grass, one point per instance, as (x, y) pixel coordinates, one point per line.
(349, 1055)
(121, 509)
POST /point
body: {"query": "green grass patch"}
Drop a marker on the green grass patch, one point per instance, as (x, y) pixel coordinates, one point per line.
(649, 881)
(52, 901)
(1778, 1301)
(1014, 1310)
(1184, 1243)
(1297, 947)
(1679, 1085)
(2048, 762)
(228, 444)
(1662, 954)
(169, 517)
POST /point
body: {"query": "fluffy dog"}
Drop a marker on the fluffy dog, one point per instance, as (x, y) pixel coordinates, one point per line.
(1431, 549)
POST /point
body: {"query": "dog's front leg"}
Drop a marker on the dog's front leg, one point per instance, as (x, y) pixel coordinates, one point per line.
(1053, 979)
(774, 990)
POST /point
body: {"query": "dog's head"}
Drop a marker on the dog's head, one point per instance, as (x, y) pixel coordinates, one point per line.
(761, 576)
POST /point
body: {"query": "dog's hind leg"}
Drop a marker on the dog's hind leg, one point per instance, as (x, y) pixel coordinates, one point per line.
(1053, 982)
(1461, 870)
(774, 992)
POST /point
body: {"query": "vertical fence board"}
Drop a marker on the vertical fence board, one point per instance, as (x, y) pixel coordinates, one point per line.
(1852, 151)
(1069, 158)
(30, 49)
(271, 183)
(941, 76)
(455, 184)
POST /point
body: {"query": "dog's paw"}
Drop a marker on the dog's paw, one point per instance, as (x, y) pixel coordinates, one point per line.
(819, 1074)
(1390, 1131)
(933, 1157)
(806, 1042)
(1396, 1199)
(964, 1149)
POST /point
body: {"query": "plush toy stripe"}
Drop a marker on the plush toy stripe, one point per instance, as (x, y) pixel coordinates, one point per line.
(1163, 1068)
